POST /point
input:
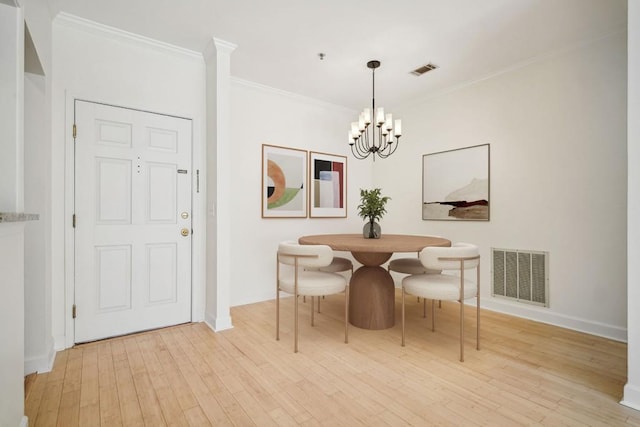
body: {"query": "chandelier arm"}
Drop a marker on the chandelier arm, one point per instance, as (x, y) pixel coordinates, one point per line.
(388, 153)
(363, 143)
(368, 142)
(393, 146)
(382, 140)
(361, 148)
(357, 154)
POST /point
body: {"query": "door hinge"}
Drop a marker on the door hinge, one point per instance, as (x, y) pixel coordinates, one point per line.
(73, 311)
(74, 220)
(197, 180)
(75, 130)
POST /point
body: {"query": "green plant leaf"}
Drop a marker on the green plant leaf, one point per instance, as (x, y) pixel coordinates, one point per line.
(372, 205)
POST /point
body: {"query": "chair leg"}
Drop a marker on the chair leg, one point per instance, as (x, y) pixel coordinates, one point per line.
(312, 305)
(433, 315)
(478, 323)
(478, 307)
(295, 324)
(424, 307)
(461, 330)
(346, 314)
(403, 316)
(439, 303)
(319, 298)
(277, 314)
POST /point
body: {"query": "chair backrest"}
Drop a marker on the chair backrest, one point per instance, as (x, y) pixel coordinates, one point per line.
(307, 255)
(431, 257)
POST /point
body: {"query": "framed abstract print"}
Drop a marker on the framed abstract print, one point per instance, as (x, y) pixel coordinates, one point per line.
(284, 182)
(327, 185)
(455, 184)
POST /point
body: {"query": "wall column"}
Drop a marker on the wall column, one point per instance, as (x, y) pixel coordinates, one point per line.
(632, 388)
(218, 184)
(11, 108)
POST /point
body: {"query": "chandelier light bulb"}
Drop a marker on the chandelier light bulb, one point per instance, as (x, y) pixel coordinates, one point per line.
(367, 116)
(398, 128)
(380, 116)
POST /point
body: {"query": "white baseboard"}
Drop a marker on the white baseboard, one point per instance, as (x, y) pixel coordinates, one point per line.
(40, 364)
(60, 342)
(218, 324)
(631, 397)
(24, 422)
(544, 315)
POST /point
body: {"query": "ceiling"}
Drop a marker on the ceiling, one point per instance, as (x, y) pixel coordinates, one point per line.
(278, 41)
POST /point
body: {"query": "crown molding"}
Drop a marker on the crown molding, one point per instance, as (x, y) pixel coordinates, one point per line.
(225, 46)
(294, 96)
(77, 23)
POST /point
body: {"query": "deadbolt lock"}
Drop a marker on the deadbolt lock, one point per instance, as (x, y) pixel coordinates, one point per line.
(185, 232)
(184, 215)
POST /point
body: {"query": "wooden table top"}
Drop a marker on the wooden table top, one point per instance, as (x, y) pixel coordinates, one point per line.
(385, 244)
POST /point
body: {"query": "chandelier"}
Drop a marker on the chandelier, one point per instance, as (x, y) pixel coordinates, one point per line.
(366, 140)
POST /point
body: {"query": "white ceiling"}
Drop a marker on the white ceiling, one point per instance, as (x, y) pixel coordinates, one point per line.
(279, 40)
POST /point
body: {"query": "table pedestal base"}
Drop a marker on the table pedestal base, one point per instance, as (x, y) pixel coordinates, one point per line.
(372, 298)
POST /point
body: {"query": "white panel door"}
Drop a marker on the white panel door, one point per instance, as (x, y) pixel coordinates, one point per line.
(133, 221)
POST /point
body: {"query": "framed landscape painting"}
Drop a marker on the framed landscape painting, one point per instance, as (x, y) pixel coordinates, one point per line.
(284, 186)
(455, 184)
(327, 185)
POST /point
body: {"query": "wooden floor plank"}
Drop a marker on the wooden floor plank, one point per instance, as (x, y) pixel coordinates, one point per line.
(34, 398)
(526, 373)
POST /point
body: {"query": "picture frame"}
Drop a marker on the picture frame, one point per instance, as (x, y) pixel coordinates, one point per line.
(327, 185)
(456, 184)
(284, 182)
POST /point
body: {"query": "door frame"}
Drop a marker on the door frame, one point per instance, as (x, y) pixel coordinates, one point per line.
(198, 238)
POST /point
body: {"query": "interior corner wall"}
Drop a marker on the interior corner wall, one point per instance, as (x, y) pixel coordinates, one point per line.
(558, 177)
(117, 69)
(261, 115)
(38, 345)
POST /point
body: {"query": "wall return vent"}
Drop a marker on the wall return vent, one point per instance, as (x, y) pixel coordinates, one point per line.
(519, 275)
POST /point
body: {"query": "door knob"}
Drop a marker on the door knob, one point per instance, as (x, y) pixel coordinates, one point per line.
(184, 232)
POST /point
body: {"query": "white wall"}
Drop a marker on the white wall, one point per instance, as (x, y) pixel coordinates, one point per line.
(632, 388)
(260, 115)
(557, 129)
(103, 64)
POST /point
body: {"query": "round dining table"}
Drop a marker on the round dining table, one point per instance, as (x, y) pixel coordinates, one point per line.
(371, 288)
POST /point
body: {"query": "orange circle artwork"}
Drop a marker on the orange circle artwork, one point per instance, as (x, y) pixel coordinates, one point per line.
(277, 176)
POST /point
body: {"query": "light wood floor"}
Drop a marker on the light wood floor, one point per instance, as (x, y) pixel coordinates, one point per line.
(526, 373)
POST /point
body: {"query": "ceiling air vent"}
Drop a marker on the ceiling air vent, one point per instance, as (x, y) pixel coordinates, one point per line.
(424, 69)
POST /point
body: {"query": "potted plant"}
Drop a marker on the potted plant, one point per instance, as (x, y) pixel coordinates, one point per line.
(372, 208)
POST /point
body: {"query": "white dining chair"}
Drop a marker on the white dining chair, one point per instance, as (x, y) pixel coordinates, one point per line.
(307, 281)
(338, 265)
(412, 266)
(460, 257)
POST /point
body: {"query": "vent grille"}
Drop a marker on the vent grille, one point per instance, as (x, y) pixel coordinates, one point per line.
(521, 275)
(424, 69)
